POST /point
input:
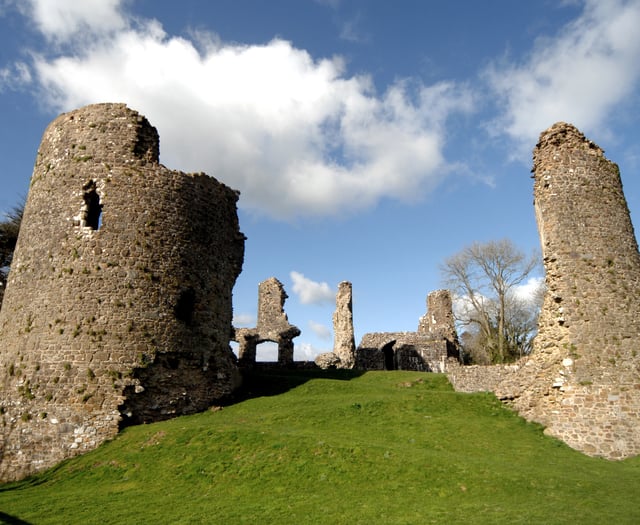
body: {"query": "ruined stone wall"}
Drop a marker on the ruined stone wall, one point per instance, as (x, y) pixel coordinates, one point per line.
(118, 306)
(479, 378)
(344, 344)
(582, 379)
(273, 325)
(401, 351)
(426, 350)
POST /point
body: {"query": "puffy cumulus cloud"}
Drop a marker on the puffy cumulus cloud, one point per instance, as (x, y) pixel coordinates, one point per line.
(60, 20)
(295, 134)
(320, 330)
(311, 292)
(578, 76)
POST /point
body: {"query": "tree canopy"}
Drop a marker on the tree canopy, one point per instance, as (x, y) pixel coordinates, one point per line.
(498, 322)
(9, 228)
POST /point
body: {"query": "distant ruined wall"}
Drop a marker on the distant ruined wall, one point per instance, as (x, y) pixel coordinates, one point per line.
(429, 349)
(401, 351)
(582, 379)
(273, 325)
(118, 306)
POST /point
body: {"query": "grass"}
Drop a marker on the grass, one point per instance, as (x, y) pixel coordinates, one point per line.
(303, 448)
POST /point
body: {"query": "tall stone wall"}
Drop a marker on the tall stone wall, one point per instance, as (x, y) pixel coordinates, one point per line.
(583, 378)
(118, 306)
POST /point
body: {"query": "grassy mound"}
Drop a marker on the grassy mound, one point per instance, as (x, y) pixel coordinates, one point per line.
(305, 447)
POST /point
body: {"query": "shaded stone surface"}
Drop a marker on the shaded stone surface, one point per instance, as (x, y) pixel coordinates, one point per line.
(118, 305)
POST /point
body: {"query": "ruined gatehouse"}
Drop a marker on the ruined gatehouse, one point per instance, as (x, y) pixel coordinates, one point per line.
(118, 305)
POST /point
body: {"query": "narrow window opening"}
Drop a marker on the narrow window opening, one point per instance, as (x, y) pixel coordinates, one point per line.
(183, 310)
(92, 213)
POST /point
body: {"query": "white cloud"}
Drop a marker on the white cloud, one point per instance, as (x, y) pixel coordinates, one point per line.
(320, 330)
(295, 134)
(351, 32)
(244, 320)
(307, 352)
(530, 291)
(61, 20)
(578, 76)
(311, 292)
(14, 76)
(267, 351)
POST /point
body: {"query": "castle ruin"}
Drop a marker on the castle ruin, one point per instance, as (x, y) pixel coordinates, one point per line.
(427, 350)
(582, 380)
(118, 305)
(273, 325)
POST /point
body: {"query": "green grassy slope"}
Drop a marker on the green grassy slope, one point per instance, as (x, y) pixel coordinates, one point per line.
(381, 447)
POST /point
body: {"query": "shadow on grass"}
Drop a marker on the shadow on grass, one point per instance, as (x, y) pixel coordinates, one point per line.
(12, 520)
(265, 380)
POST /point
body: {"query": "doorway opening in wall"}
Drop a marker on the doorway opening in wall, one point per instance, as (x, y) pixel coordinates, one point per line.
(389, 356)
(92, 213)
(267, 352)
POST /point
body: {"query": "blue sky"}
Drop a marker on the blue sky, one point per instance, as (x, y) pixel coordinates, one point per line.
(369, 139)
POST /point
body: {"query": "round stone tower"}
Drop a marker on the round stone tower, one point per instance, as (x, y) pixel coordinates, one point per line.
(583, 378)
(118, 304)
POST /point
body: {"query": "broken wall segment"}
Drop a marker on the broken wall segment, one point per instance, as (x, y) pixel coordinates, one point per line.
(118, 306)
(426, 350)
(273, 325)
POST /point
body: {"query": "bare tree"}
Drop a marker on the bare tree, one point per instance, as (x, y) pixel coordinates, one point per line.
(484, 278)
(9, 228)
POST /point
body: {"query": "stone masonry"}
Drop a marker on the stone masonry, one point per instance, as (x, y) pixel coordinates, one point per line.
(428, 350)
(582, 380)
(273, 325)
(344, 344)
(118, 305)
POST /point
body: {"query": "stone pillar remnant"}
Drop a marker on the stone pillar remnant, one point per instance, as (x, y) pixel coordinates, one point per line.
(344, 344)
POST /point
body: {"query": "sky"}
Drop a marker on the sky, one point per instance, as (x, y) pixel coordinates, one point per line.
(370, 139)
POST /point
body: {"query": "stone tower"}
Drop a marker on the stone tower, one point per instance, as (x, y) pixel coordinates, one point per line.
(118, 305)
(583, 378)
